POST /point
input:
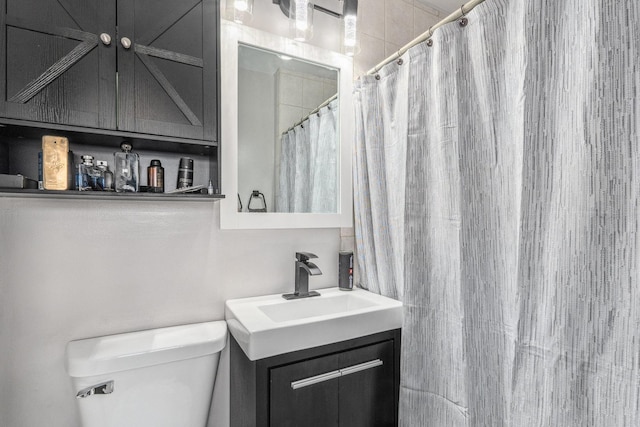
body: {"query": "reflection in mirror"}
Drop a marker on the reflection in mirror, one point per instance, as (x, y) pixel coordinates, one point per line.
(288, 143)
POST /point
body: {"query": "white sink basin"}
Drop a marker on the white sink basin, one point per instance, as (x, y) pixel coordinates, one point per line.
(269, 325)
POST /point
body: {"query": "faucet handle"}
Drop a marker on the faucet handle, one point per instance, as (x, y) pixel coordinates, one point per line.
(305, 256)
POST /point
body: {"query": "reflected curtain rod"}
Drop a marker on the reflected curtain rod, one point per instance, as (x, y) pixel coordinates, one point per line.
(454, 16)
(324, 104)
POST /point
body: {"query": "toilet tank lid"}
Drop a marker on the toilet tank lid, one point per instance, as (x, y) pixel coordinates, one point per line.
(114, 353)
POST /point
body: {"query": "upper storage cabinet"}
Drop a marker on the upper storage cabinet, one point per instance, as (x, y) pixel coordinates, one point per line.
(141, 67)
(54, 67)
(166, 80)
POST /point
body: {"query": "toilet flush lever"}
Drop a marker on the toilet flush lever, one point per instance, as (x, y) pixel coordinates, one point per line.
(102, 388)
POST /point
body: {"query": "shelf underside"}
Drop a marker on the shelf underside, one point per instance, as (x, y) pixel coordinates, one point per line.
(108, 195)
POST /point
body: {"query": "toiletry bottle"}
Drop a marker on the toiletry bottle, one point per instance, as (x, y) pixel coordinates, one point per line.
(106, 182)
(56, 167)
(155, 177)
(185, 173)
(40, 183)
(345, 270)
(82, 176)
(127, 169)
(94, 173)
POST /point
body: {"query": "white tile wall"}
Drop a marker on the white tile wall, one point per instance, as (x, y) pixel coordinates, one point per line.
(290, 89)
(384, 26)
(312, 93)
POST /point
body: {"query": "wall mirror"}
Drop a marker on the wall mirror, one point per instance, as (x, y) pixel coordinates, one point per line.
(287, 132)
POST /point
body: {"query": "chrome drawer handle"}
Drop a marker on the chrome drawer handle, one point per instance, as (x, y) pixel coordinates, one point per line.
(335, 374)
(315, 380)
(361, 367)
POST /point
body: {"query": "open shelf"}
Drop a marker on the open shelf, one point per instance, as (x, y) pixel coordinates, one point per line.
(108, 195)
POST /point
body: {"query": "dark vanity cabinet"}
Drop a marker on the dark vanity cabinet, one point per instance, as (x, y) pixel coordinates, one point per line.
(350, 384)
(99, 71)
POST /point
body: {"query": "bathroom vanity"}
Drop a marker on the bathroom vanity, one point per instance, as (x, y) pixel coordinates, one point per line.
(352, 383)
(332, 360)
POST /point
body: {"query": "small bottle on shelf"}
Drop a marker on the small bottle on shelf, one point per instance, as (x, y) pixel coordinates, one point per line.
(94, 173)
(127, 169)
(106, 183)
(84, 172)
(155, 177)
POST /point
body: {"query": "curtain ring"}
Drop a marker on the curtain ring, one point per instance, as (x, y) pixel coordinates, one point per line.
(463, 21)
(400, 61)
(376, 75)
(430, 34)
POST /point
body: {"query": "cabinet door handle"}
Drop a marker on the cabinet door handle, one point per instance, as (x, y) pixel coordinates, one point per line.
(315, 380)
(335, 374)
(361, 367)
(126, 42)
(105, 38)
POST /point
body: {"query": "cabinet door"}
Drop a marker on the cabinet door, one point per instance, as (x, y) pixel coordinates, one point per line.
(167, 76)
(305, 393)
(354, 388)
(367, 392)
(53, 66)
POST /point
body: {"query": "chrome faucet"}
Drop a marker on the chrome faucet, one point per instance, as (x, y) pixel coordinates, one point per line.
(304, 269)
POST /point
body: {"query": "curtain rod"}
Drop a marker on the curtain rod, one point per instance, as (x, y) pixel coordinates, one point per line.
(324, 104)
(462, 11)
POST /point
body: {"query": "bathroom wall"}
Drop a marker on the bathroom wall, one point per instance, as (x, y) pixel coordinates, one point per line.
(384, 26)
(74, 269)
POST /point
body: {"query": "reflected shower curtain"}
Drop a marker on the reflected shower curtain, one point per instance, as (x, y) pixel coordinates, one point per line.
(520, 215)
(308, 176)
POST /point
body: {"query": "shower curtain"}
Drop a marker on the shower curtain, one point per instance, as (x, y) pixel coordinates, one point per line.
(308, 175)
(497, 194)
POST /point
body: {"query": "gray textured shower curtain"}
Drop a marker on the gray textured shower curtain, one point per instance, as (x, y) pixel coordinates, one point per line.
(497, 194)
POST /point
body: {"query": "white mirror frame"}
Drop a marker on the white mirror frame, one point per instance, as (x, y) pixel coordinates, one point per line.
(232, 35)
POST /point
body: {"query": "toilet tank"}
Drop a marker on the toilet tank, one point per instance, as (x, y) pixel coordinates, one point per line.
(158, 377)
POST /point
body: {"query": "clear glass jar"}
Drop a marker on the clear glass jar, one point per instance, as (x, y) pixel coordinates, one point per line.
(106, 182)
(126, 169)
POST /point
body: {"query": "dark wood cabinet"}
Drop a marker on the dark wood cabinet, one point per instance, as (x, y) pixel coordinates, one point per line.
(144, 67)
(353, 383)
(167, 77)
(53, 67)
(101, 71)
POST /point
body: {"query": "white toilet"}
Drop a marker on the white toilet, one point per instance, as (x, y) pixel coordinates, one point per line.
(160, 377)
